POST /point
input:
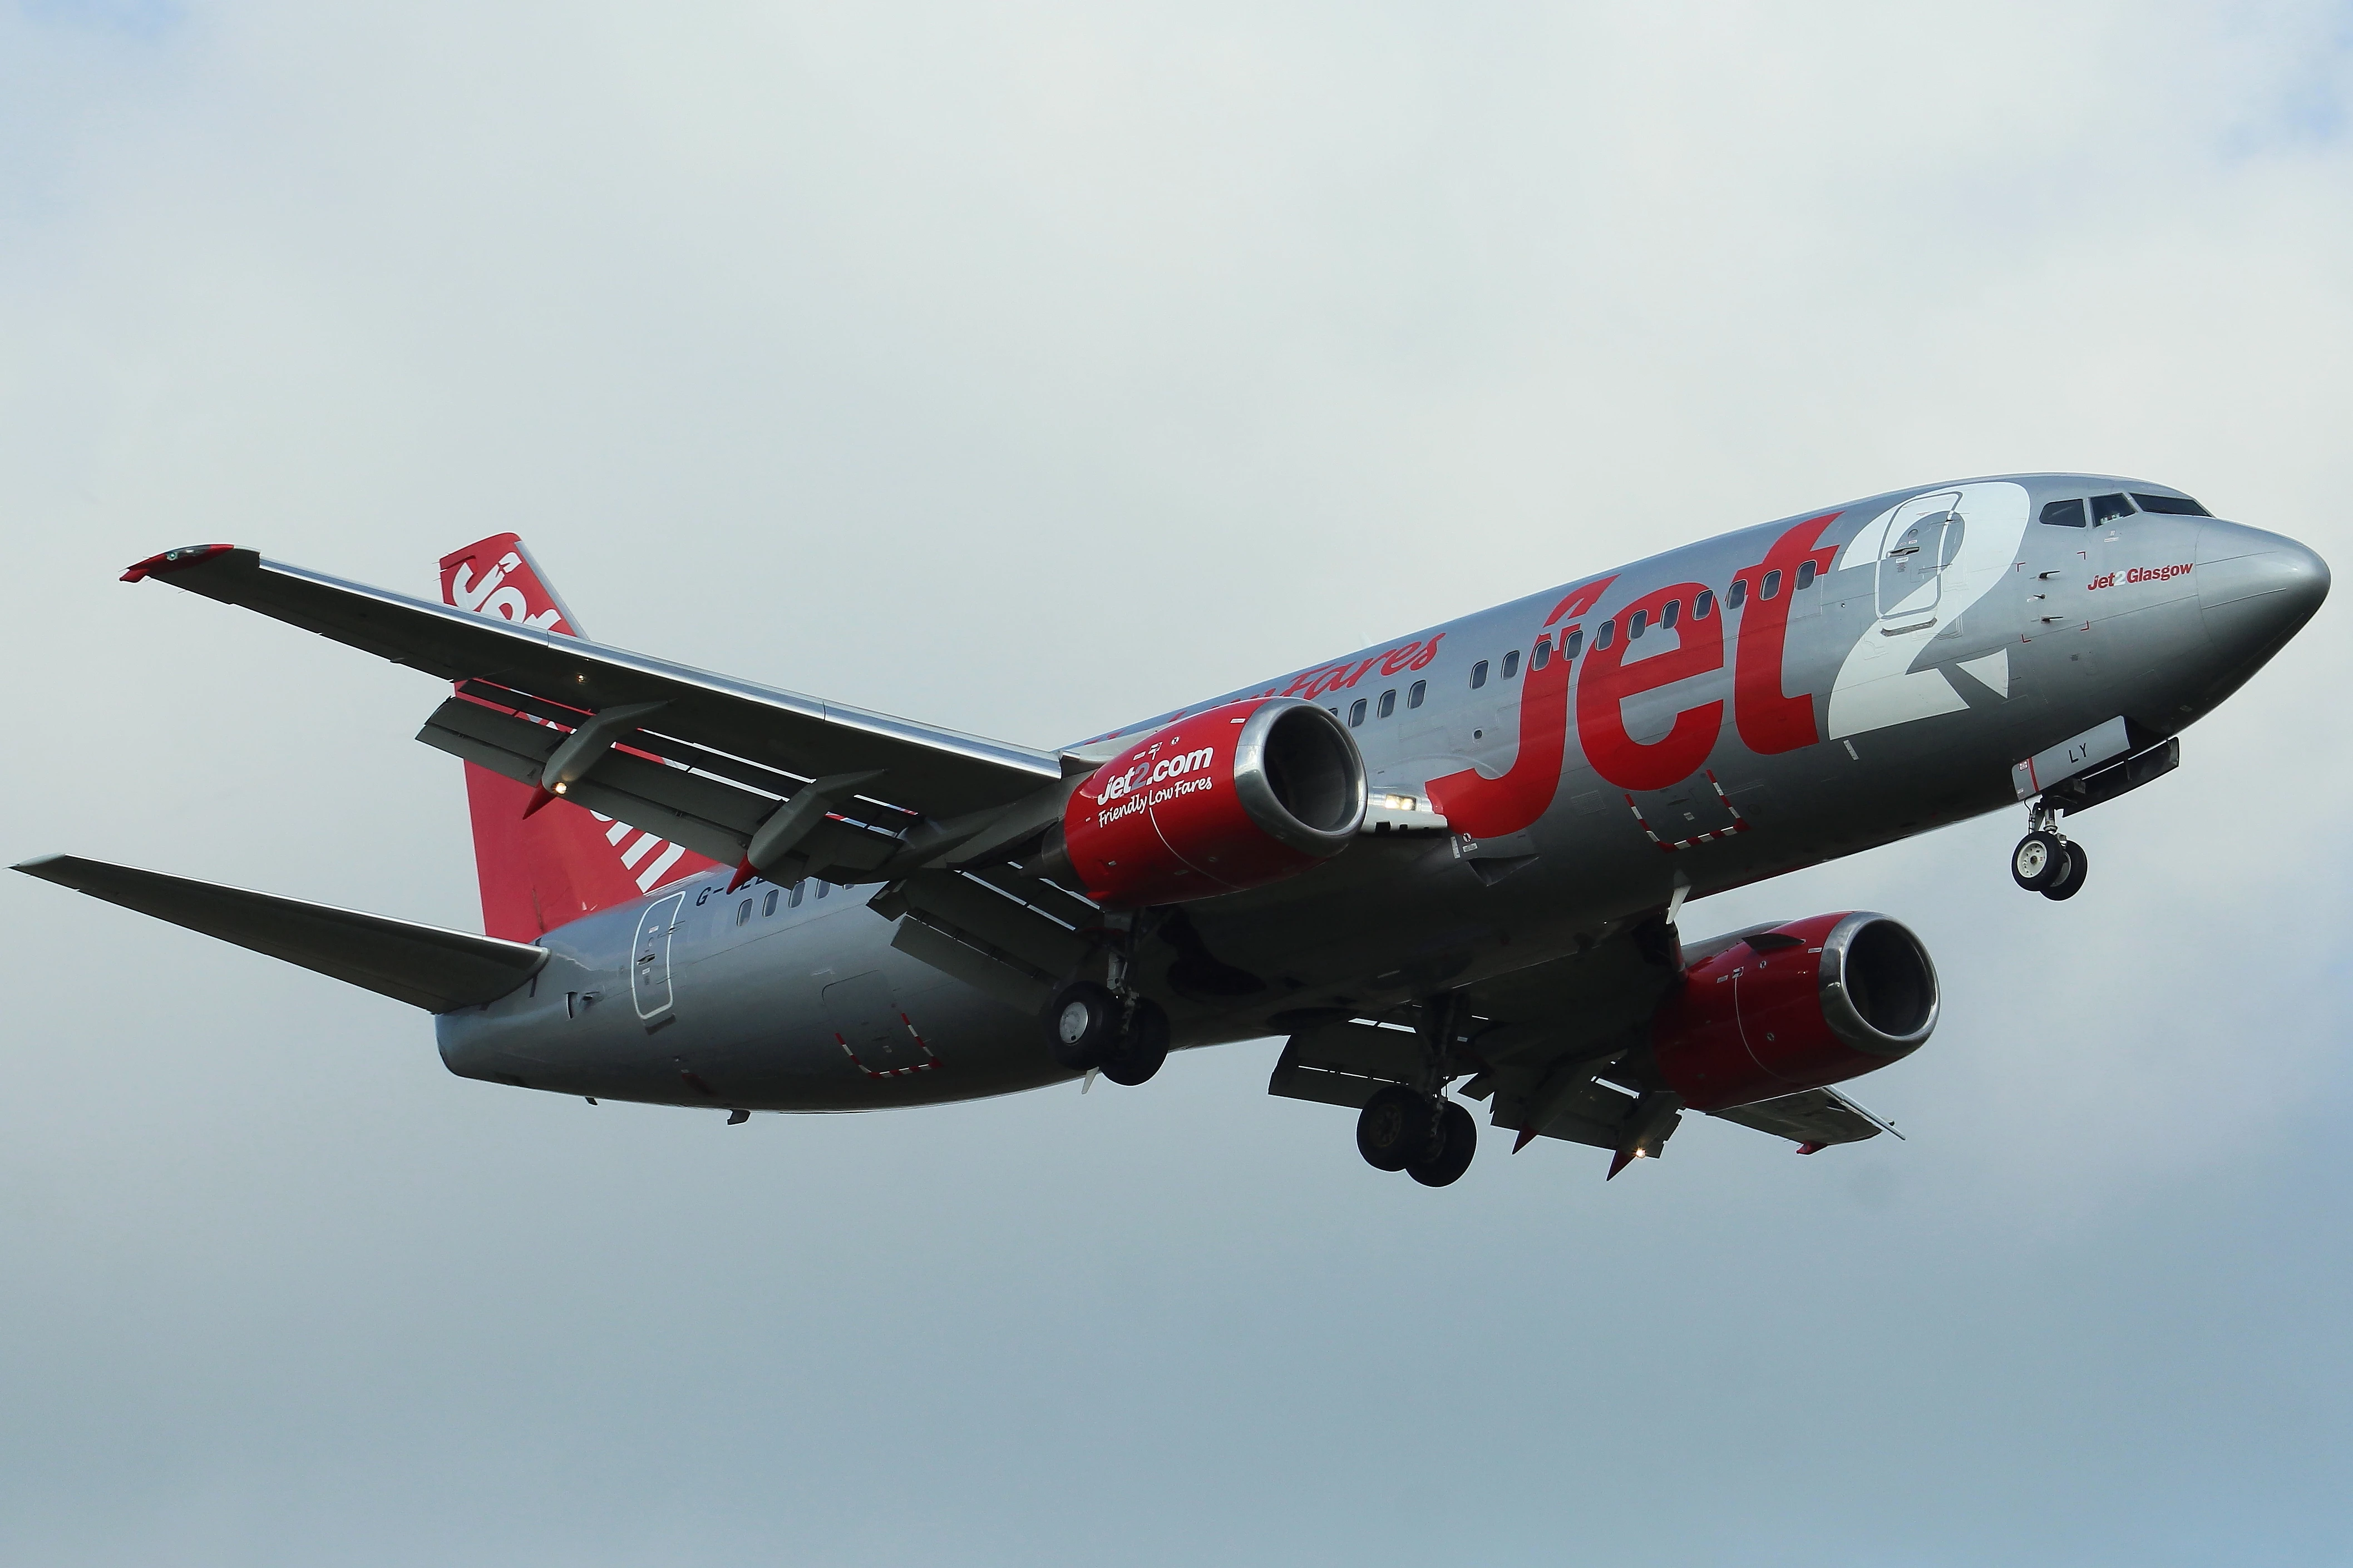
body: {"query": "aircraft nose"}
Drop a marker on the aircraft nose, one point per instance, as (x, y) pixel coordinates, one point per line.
(2255, 590)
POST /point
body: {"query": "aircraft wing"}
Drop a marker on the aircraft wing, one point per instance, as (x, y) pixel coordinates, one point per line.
(732, 750)
(425, 966)
(1545, 1042)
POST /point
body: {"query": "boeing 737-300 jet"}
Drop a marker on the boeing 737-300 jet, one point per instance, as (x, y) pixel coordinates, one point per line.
(1447, 868)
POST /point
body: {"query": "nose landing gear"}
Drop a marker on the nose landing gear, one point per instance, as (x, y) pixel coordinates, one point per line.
(2047, 863)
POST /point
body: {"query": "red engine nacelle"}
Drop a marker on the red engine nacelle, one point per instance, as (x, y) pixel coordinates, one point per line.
(1807, 1004)
(1231, 798)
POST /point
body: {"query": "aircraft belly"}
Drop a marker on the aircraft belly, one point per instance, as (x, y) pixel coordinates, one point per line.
(749, 1026)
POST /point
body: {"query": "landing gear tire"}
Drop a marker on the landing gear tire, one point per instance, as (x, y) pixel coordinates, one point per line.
(2070, 881)
(1133, 1058)
(1395, 1128)
(1457, 1141)
(2040, 860)
(1082, 1026)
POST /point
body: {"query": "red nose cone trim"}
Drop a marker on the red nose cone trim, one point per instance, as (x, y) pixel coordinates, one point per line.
(178, 560)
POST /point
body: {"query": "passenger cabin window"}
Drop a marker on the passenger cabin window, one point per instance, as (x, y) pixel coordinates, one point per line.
(1704, 606)
(768, 904)
(1389, 702)
(1606, 635)
(798, 889)
(1543, 654)
(744, 911)
(1416, 692)
(1510, 664)
(1671, 615)
(2171, 506)
(823, 888)
(1634, 627)
(2064, 513)
(1355, 713)
(1805, 574)
(1571, 644)
(1739, 595)
(1772, 586)
(2107, 508)
(1477, 675)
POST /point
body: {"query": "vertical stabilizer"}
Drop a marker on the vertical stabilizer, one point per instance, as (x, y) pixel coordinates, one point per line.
(541, 872)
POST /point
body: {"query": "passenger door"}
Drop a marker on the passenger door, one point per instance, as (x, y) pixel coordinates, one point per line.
(649, 985)
(1921, 539)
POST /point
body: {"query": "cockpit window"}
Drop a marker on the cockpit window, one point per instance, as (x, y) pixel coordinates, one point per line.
(2107, 508)
(2064, 513)
(2173, 506)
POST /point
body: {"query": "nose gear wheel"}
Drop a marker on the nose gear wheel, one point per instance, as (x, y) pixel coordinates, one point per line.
(2039, 861)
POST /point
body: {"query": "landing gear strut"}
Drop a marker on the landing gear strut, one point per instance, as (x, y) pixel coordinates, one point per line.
(2047, 862)
(1415, 1128)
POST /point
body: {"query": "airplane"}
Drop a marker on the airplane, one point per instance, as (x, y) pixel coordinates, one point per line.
(1446, 870)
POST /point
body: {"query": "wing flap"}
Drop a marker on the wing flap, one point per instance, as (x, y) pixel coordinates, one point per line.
(1344, 1064)
(425, 966)
(1818, 1116)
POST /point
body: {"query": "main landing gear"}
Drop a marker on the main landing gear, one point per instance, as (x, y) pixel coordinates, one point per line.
(1415, 1128)
(1109, 1028)
(2047, 863)
(1089, 1027)
(1430, 1140)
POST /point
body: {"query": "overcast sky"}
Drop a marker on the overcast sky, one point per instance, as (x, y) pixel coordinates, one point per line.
(1033, 368)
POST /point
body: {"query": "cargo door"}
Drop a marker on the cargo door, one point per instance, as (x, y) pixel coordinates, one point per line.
(868, 1023)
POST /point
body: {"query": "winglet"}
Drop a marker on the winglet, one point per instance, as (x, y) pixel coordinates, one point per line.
(1527, 1136)
(178, 560)
(743, 873)
(1811, 1148)
(1620, 1160)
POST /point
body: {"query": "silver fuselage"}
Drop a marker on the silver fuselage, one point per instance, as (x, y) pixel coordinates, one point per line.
(1928, 672)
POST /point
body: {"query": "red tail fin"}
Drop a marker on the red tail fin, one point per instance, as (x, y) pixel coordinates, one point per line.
(557, 864)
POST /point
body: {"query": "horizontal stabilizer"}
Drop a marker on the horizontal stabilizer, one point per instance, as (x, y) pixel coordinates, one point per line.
(425, 966)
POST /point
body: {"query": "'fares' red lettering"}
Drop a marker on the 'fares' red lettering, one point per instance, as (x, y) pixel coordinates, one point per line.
(1608, 680)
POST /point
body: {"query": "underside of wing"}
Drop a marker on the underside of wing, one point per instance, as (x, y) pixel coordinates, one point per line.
(703, 759)
(1562, 1050)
